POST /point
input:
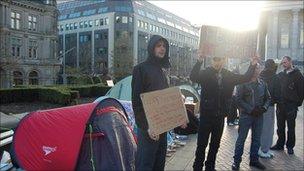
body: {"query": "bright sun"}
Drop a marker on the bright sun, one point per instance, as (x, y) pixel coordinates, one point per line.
(235, 15)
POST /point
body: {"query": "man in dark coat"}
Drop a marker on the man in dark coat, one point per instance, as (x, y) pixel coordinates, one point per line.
(149, 76)
(291, 83)
(217, 84)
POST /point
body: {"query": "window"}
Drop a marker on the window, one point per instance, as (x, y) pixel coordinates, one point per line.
(15, 20)
(86, 24)
(75, 25)
(61, 27)
(101, 22)
(105, 35)
(90, 23)
(33, 78)
(18, 78)
(16, 47)
(106, 21)
(284, 38)
(71, 26)
(97, 36)
(118, 19)
(130, 19)
(124, 19)
(96, 22)
(146, 25)
(32, 22)
(67, 27)
(103, 10)
(32, 51)
(81, 24)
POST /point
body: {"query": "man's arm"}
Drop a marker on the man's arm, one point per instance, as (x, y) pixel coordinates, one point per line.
(299, 85)
(196, 74)
(137, 89)
(238, 93)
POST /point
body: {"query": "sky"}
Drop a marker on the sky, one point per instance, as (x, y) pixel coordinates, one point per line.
(235, 15)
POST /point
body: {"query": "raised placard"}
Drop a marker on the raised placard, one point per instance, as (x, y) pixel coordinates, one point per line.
(165, 109)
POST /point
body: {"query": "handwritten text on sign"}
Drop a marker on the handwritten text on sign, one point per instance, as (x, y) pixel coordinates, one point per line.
(164, 109)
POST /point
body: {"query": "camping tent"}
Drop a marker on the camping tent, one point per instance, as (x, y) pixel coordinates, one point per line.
(93, 136)
(122, 90)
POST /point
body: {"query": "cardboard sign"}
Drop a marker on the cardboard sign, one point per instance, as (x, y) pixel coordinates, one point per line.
(165, 109)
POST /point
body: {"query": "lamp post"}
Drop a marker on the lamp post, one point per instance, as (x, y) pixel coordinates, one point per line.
(63, 71)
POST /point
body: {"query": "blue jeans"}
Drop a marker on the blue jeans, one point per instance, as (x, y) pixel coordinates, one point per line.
(245, 123)
(151, 155)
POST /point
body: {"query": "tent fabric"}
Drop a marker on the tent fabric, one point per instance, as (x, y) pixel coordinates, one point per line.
(94, 136)
(121, 90)
(51, 139)
(116, 149)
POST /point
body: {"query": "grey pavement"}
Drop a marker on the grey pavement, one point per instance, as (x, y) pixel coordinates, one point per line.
(183, 158)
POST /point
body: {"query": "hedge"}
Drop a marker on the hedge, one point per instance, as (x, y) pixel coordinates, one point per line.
(50, 94)
(95, 90)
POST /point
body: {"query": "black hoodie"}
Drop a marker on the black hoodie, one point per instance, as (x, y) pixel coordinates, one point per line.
(149, 76)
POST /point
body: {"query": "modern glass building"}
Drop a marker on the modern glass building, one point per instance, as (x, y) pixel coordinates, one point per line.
(100, 36)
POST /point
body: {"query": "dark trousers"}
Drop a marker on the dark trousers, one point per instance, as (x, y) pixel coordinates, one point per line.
(286, 113)
(232, 112)
(209, 125)
(151, 155)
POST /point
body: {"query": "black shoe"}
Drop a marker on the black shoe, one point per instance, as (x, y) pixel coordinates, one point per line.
(290, 151)
(277, 147)
(257, 165)
(235, 166)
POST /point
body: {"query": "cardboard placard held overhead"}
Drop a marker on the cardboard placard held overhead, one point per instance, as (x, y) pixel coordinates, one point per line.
(165, 109)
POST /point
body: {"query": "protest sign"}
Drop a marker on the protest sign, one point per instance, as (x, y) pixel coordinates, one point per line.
(164, 109)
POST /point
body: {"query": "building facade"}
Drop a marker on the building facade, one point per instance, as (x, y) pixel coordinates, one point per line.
(281, 31)
(28, 42)
(96, 37)
(236, 46)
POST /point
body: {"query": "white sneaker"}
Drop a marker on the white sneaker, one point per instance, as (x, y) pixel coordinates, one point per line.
(177, 142)
(270, 153)
(263, 155)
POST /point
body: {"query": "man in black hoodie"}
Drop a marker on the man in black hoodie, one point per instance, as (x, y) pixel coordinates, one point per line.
(217, 85)
(149, 76)
(291, 83)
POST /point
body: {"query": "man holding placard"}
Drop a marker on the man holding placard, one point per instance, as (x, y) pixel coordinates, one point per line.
(151, 75)
(216, 88)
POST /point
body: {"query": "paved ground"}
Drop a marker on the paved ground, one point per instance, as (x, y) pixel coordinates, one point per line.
(184, 157)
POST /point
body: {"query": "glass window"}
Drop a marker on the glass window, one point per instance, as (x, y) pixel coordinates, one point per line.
(33, 78)
(118, 19)
(284, 38)
(15, 20)
(90, 23)
(96, 22)
(15, 46)
(75, 25)
(101, 22)
(32, 51)
(130, 19)
(67, 27)
(71, 26)
(106, 21)
(81, 24)
(124, 19)
(103, 10)
(18, 78)
(138, 23)
(86, 24)
(146, 25)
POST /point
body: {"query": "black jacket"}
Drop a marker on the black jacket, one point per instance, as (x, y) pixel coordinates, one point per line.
(270, 77)
(149, 76)
(252, 94)
(214, 99)
(291, 87)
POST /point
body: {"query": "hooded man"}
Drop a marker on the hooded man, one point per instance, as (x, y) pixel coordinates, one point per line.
(149, 76)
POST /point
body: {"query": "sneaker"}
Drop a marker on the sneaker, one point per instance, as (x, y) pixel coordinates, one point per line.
(263, 155)
(270, 153)
(230, 124)
(290, 151)
(236, 122)
(235, 166)
(257, 165)
(179, 142)
(277, 147)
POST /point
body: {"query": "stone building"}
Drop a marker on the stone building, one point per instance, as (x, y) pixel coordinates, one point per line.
(281, 31)
(28, 42)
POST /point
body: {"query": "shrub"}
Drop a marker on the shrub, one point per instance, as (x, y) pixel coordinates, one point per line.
(55, 95)
(19, 95)
(91, 90)
(96, 80)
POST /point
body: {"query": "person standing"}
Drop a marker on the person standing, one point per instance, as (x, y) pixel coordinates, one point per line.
(149, 76)
(253, 100)
(216, 88)
(291, 83)
(268, 75)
